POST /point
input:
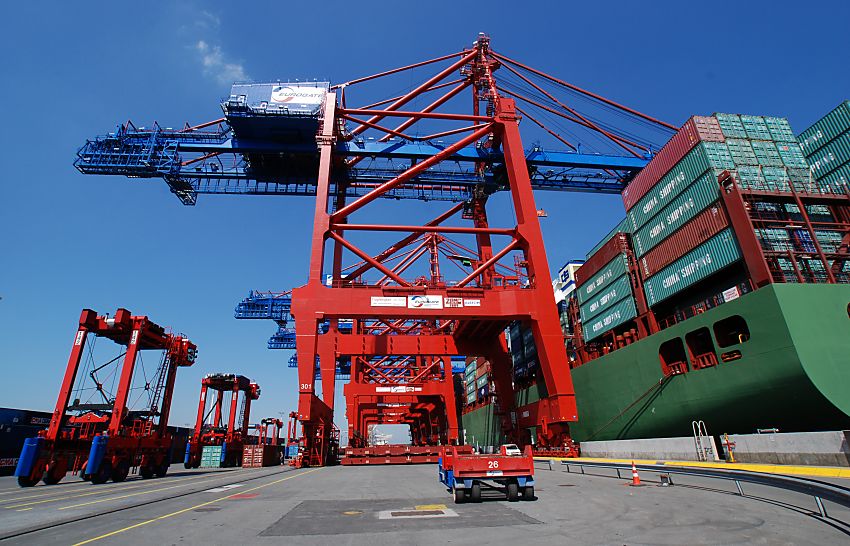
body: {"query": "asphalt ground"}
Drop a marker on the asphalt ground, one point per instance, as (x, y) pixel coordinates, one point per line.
(379, 505)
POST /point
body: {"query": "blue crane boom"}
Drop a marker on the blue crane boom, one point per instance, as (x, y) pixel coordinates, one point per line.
(214, 160)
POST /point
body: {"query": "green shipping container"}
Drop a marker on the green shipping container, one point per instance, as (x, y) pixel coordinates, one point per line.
(612, 271)
(837, 182)
(607, 298)
(691, 202)
(766, 153)
(792, 155)
(826, 129)
(831, 157)
(731, 126)
(470, 398)
(780, 130)
(704, 156)
(741, 151)
(710, 257)
(756, 128)
(211, 457)
(617, 315)
(470, 388)
(482, 381)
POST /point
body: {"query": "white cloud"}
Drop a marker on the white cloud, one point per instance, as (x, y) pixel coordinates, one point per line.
(208, 20)
(217, 65)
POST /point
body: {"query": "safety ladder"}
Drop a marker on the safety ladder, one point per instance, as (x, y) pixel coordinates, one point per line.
(702, 441)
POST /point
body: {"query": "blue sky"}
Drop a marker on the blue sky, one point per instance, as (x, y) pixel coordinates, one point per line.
(71, 241)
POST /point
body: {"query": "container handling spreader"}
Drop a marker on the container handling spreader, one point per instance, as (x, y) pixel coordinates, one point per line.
(102, 440)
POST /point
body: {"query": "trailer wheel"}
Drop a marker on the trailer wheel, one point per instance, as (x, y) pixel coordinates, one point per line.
(460, 496)
(27, 481)
(53, 476)
(528, 493)
(476, 492)
(513, 492)
(35, 474)
(187, 466)
(146, 472)
(103, 473)
(161, 470)
(120, 471)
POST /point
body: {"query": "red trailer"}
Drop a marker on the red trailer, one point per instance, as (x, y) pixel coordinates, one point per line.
(232, 437)
(104, 439)
(465, 474)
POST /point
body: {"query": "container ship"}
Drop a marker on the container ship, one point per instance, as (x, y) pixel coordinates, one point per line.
(723, 296)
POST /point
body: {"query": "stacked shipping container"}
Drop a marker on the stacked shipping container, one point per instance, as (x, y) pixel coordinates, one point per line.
(826, 145)
(469, 380)
(477, 380)
(605, 292)
(681, 233)
(523, 353)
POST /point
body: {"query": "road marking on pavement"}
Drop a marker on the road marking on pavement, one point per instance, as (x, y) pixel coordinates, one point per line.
(183, 511)
(90, 493)
(224, 488)
(430, 507)
(417, 514)
(119, 497)
(23, 509)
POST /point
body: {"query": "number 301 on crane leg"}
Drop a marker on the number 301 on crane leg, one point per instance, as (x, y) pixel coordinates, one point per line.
(465, 474)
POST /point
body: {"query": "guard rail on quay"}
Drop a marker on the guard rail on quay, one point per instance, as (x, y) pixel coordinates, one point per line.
(819, 490)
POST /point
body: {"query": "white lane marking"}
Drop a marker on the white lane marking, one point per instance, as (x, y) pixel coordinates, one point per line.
(411, 514)
(223, 488)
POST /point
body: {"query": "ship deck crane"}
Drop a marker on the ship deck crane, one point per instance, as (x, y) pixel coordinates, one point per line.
(407, 312)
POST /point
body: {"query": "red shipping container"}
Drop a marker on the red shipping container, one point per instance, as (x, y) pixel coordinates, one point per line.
(483, 368)
(701, 228)
(695, 130)
(617, 244)
(256, 456)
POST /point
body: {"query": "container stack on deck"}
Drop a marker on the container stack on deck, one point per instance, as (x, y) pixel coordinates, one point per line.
(728, 204)
(477, 382)
(826, 145)
(523, 354)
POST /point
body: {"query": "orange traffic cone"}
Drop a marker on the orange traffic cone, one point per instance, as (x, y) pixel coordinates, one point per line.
(635, 477)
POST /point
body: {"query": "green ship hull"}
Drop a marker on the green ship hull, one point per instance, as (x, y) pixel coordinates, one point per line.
(793, 374)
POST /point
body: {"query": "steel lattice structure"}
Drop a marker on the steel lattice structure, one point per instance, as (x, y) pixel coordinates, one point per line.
(396, 316)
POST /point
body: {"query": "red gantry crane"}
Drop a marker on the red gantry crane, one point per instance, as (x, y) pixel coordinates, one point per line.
(413, 292)
(102, 440)
(214, 432)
